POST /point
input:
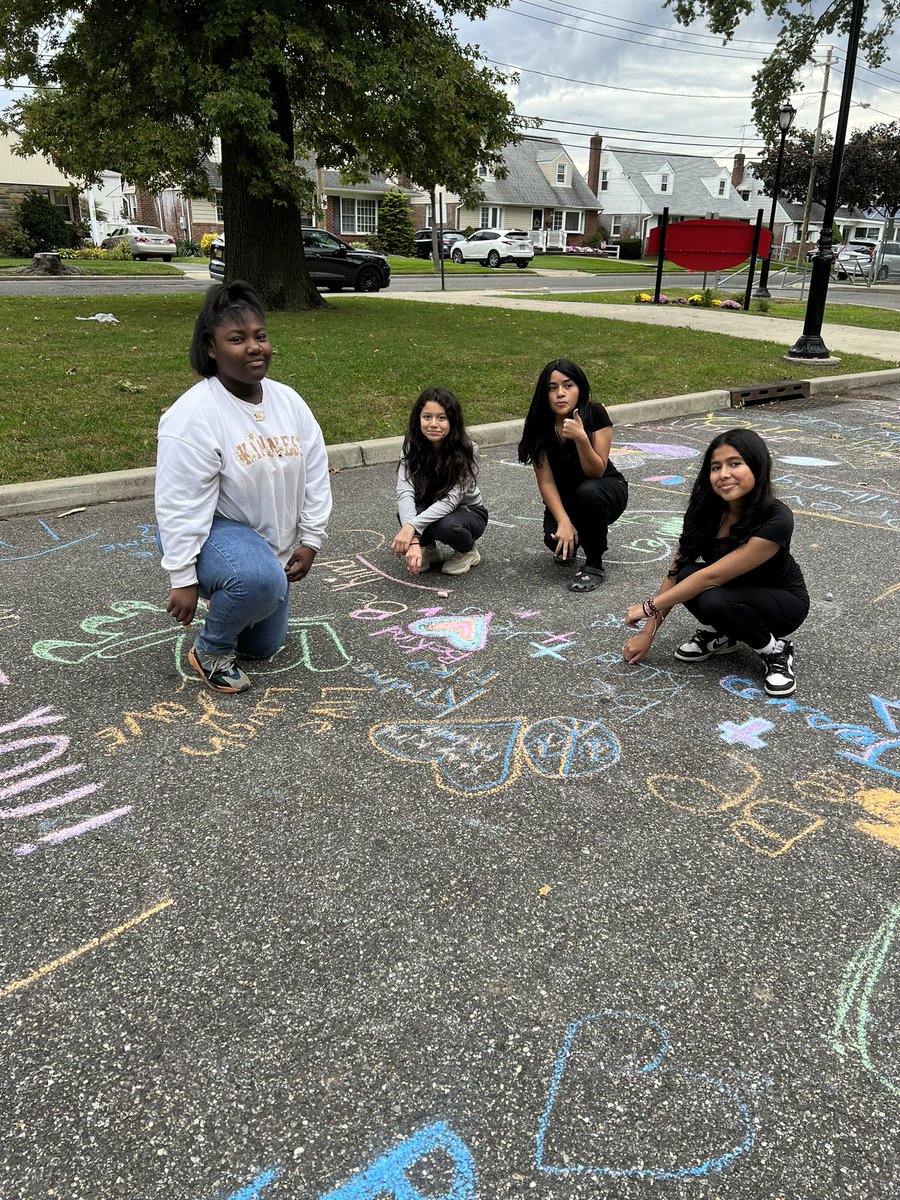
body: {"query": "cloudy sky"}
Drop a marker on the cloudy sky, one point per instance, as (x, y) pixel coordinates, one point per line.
(645, 82)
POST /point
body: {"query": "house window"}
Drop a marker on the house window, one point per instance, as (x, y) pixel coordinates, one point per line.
(745, 195)
(491, 217)
(481, 171)
(61, 199)
(220, 208)
(604, 181)
(560, 172)
(359, 216)
(722, 183)
(615, 229)
(569, 219)
(664, 183)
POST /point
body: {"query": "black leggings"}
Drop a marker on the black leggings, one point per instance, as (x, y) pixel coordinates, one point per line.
(460, 529)
(745, 612)
(592, 508)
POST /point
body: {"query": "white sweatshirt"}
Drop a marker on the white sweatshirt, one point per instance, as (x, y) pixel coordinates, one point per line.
(264, 465)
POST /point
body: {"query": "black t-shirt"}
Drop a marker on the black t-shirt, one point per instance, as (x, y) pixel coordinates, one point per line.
(562, 456)
(780, 571)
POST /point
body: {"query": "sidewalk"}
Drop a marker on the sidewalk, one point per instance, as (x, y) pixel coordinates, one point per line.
(876, 343)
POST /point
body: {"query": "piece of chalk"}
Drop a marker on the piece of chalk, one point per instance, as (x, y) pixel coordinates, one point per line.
(443, 594)
(69, 512)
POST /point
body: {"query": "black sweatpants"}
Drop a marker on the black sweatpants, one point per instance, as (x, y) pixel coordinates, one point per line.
(592, 508)
(459, 529)
(748, 613)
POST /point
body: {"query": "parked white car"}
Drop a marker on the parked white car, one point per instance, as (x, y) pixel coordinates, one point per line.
(146, 241)
(491, 247)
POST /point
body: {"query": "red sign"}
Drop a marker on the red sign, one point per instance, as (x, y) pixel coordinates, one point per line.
(709, 245)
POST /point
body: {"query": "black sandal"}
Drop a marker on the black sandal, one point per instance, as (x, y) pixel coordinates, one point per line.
(587, 579)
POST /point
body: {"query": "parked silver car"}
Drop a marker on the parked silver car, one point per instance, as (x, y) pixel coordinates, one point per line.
(491, 247)
(146, 241)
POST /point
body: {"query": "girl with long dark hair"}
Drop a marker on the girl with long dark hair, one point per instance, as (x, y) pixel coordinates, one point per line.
(567, 439)
(242, 491)
(437, 496)
(733, 570)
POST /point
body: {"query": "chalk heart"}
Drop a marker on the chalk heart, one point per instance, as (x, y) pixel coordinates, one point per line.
(466, 632)
(466, 756)
(615, 1109)
(566, 748)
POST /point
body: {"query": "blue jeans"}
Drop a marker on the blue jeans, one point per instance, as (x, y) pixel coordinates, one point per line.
(247, 591)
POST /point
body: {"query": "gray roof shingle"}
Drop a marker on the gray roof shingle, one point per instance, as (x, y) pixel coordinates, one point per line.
(689, 196)
(526, 184)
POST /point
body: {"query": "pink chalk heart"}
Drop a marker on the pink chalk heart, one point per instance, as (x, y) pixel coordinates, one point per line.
(465, 632)
(614, 1109)
(467, 757)
(564, 747)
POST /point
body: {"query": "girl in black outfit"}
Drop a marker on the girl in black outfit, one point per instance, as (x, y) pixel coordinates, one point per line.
(567, 439)
(733, 569)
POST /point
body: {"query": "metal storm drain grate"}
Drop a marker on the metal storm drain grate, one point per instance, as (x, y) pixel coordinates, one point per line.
(788, 389)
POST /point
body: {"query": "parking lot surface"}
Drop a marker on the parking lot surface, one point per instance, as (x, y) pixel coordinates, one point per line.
(453, 902)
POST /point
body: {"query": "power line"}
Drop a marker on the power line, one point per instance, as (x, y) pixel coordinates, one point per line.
(669, 29)
(733, 56)
(709, 137)
(613, 87)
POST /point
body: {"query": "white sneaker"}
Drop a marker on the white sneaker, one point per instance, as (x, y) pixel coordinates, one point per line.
(430, 556)
(460, 561)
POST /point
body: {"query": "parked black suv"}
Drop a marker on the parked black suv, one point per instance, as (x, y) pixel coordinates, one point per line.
(448, 238)
(332, 263)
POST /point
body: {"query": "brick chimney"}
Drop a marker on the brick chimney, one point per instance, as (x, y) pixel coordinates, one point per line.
(593, 175)
(737, 171)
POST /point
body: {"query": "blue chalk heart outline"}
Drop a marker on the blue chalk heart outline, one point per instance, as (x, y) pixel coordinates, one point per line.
(718, 1163)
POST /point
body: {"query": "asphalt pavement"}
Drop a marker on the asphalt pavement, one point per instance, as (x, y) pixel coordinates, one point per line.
(453, 903)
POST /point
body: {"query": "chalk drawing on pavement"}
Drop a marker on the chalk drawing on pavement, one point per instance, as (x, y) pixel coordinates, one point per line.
(602, 1115)
(464, 632)
(482, 757)
(389, 1177)
(56, 546)
(866, 1022)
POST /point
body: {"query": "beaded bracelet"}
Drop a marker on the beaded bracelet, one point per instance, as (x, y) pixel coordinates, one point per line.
(650, 609)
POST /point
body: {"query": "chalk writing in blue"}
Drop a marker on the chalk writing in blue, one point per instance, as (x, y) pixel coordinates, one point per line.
(629, 1068)
(873, 745)
(58, 544)
(255, 1188)
(387, 1179)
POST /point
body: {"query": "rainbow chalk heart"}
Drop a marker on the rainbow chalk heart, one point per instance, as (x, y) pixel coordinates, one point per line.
(466, 632)
(614, 1109)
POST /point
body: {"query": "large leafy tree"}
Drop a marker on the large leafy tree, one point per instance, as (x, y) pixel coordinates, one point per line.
(797, 161)
(146, 87)
(871, 177)
(803, 26)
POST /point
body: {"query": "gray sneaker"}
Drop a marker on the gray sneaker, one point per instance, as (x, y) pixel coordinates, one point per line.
(221, 674)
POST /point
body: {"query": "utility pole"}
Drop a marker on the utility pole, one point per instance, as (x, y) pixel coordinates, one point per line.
(815, 165)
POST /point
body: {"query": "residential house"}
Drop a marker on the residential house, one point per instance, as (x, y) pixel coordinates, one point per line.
(33, 173)
(543, 192)
(634, 186)
(787, 227)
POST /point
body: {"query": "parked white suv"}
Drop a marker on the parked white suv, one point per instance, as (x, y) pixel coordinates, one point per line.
(491, 247)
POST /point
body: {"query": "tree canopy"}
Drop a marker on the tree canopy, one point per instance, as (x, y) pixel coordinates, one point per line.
(872, 170)
(801, 30)
(145, 88)
(795, 168)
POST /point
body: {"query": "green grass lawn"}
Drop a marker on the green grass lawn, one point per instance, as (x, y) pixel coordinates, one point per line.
(424, 266)
(599, 266)
(79, 397)
(863, 315)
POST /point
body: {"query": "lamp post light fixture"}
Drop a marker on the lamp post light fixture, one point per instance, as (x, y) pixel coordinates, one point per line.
(786, 115)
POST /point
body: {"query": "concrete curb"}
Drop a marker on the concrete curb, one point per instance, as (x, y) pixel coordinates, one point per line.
(24, 499)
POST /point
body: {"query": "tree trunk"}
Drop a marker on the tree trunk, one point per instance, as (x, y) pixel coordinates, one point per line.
(264, 239)
(48, 263)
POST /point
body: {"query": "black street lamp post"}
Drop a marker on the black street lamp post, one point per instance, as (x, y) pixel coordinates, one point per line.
(786, 115)
(810, 347)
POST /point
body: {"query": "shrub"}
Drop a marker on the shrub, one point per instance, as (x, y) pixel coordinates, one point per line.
(188, 248)
(598, 239)
(206, 241)
(14, 241)
(761, 305)
(85, 254)
(630, 248)
(395, 225)
(120, 252)
(43, 223)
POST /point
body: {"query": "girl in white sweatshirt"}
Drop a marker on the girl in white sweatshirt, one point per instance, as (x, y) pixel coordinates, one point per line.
(242, 491)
